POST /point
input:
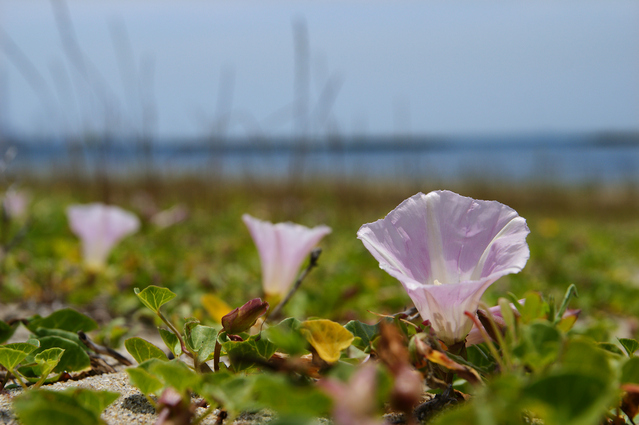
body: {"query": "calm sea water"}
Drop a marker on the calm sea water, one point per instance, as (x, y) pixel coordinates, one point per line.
(562, 160)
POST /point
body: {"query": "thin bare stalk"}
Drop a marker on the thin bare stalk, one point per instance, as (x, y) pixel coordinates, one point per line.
(216, 353)
(312, 263)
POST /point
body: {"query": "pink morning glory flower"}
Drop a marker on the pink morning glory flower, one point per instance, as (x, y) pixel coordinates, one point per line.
(100, 227)
(282, 248)
(446, 250)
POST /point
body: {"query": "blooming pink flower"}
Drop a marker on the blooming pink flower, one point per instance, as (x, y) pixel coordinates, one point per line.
(446, 250)
(282, 248)
(100, 227)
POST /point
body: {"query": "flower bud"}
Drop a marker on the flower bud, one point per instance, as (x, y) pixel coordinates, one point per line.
(242, 318)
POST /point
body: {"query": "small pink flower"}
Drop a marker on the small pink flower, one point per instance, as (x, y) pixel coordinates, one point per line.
(15, 203)
(100, 227)
(446, 250)
(354, 402)
(282, 247)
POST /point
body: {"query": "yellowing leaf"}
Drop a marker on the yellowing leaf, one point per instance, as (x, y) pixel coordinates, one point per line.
(215, 307)
(328, 338)
(566, 323)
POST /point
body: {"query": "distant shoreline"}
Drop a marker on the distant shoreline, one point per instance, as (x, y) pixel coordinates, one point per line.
(608, 158)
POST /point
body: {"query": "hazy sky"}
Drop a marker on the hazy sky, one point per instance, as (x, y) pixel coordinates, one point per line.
(376, 67)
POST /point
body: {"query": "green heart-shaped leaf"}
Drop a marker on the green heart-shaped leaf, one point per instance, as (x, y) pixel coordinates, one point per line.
(364, 334)
(48, 359)
(154, 297)
(74, 357)
(176, 374)
(7, 331)
(66, 319)
(171, 341)
(142, 350)
(144, 381)
(630, 345)
(73, 406)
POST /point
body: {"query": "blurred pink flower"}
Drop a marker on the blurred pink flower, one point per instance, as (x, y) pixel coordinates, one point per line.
(282, 248)
(100, 227)
(15, 203)
(446, 250)
(354, 402)
(170, 217)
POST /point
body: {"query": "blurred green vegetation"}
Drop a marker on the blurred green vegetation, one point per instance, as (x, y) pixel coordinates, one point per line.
(585, 236)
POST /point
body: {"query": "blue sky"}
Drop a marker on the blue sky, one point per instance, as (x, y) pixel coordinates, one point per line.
(410, 67)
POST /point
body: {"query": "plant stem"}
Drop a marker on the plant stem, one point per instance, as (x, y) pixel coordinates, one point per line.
(312, 263)
(16, 375)
(216, 353)
(177, 333)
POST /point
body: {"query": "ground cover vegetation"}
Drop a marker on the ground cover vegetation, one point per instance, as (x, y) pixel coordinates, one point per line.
(347, 345)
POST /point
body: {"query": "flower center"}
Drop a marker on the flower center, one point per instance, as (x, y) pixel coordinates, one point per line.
(437, 282)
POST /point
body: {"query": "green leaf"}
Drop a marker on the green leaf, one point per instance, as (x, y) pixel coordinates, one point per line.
(286, 340)
(245, 354)
(364, 334)
(533, 308)
(12, 354)
(11, 358)
(142, 350)
(66, 319)
(48, 359)
(263, 347)
(176, 374)
(25, 347)
(144, 381)
(234, 392)
(171, 341)
(286, 337)
(539, 345)
(74, 357)
(73, 336)
(7, 331)
(242, 354)
(202, 339)
(479, 357)
(154, 297)
(610, 347)
(278, 393)
(290, 323)
(569, 398)
(509, 318)
(630, 345)
(74, 406)
(582, 356)
(630, 371)
(95, 401)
